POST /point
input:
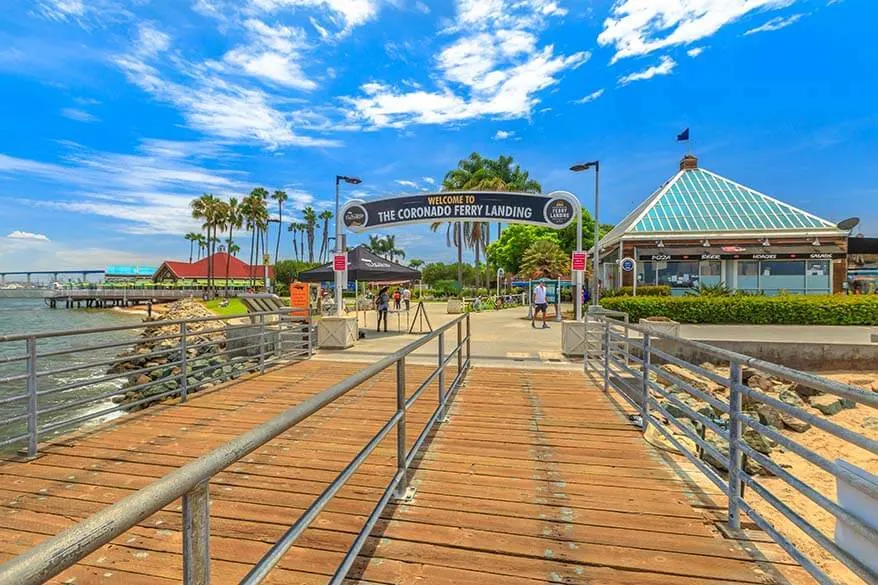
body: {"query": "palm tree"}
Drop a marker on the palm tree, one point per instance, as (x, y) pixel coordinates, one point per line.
(202, 243)
(416, 263)
(302, 228)
(207, 208)
(544, 259)
(294, 228)
(234, 218)
(256, 216)
(377, 244)
(280, 197)
(390, 248)
(191, 237)
(324, 246)
(310, 217)
(453, 238)
(233, 248)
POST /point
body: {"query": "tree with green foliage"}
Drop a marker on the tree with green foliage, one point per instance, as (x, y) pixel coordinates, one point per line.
(280, 197)
(192, 237)
(416, 263)
(508, 251)
(324, 245)
(310, 217)
(544, 259)
(287, 271)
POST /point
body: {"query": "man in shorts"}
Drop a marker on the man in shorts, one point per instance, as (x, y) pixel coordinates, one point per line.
(541, 304)
(407, 297)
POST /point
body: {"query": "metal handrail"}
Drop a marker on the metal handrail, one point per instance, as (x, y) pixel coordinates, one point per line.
(615, 348)
(274, 336)
(191, 482)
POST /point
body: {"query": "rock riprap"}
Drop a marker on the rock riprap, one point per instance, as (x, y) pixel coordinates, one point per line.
(158, 353)
(674, 378)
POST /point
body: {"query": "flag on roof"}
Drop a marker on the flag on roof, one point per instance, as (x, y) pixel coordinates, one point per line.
(683, 136)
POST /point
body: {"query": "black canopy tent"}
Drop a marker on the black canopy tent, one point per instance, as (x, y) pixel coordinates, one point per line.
(364, 266)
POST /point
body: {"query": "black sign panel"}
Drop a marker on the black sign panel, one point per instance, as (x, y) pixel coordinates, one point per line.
(556, 210)
(805, 255)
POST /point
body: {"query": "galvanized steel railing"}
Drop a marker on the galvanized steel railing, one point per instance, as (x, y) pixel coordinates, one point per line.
(627, 357)
(191, 482)
(37, 396)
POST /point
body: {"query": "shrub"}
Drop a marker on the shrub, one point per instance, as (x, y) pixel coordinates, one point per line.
(642, 291)
(756, 310)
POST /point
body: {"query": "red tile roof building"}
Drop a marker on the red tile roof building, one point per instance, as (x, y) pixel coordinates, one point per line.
(238, 270)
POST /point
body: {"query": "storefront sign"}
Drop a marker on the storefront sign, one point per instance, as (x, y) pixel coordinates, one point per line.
(556, 210)
(628, 264)
(761, 256)
(578, 261)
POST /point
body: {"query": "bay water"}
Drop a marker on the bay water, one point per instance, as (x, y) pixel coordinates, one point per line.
(32, 316)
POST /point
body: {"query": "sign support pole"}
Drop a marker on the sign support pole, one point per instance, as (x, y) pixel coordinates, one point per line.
(339, 275)
(577, 300)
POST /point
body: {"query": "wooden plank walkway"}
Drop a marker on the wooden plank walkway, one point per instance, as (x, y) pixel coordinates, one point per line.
(536, 478)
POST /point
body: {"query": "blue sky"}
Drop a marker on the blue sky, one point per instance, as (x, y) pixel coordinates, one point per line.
(116, 113)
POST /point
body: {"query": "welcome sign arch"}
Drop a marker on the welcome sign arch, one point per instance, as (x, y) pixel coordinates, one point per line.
(555, 210)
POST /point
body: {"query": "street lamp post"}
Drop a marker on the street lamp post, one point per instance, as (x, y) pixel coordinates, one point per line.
(339, 276)
(596, 257)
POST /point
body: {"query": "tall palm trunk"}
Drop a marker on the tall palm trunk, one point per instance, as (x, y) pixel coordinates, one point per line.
(252, 250)
(191, 244)
(229, 258)
(478, 268)
(280, 224)
(296, 244)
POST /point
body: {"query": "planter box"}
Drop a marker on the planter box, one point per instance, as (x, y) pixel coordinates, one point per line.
(337, 332)
(455, 306)
(573, 338)
(662, 327)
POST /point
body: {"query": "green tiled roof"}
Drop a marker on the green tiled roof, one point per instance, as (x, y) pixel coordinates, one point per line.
(701, 201)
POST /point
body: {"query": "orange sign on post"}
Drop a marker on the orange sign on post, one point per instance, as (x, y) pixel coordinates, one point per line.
(299, 299)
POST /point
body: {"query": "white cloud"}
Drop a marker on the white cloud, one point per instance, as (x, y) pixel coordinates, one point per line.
(421, 7)
(273, 54)
(775, 24)
(503, 135)
(212, 104)
(411, 184)
(494, 68)
(695, 51)
(352, 13)
(665, 67)
(146, 193)
(82, 12)
(639, 27)
(590, 97)
(78, 115)
(320, 30)
(429, 180)
(21, 235)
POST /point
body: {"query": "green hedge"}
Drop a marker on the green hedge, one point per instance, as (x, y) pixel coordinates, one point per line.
(646, 291)
(756, 310)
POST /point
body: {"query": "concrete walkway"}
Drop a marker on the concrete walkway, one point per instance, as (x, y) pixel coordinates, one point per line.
(500, 338)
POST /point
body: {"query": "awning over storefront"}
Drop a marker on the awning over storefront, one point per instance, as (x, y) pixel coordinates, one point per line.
(364, 266)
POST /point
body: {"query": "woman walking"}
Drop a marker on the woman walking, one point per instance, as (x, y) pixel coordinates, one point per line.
(381, 304)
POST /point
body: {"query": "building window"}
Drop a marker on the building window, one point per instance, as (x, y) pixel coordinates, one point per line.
(748, 275)
(711, 272)
(782, 275)
(817, 279)
(680, 275)
(646, 273)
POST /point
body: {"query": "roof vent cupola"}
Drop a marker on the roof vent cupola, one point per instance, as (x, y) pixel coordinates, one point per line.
(689, 162)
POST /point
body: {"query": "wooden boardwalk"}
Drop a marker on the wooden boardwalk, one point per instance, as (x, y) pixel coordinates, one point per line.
(536, 478)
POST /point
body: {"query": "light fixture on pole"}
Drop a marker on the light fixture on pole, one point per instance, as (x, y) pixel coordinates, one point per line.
(339, 276)
(578, 168)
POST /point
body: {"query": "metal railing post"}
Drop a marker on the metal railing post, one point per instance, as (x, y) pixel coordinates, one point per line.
(32, 433)
(401, 454)
(459, 347)
(735, 454)
(308, 328)
(469, 338)
(644, 390)
(196, 535)
(441, 367)
(606, 345)
(262, 344)
(184, 373)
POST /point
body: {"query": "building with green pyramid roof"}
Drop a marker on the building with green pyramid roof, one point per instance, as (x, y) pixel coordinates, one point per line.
(701, 229)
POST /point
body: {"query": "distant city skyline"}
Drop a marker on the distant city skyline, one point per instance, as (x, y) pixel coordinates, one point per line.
(117, 113)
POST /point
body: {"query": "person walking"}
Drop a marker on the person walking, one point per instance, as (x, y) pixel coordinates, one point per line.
(407, 297)
(382, 302)
(541, 304)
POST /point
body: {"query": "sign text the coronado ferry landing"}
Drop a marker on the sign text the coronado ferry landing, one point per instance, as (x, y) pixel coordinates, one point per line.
(555, 210)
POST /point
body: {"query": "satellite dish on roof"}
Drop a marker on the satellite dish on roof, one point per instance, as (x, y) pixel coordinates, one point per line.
(849, 224)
